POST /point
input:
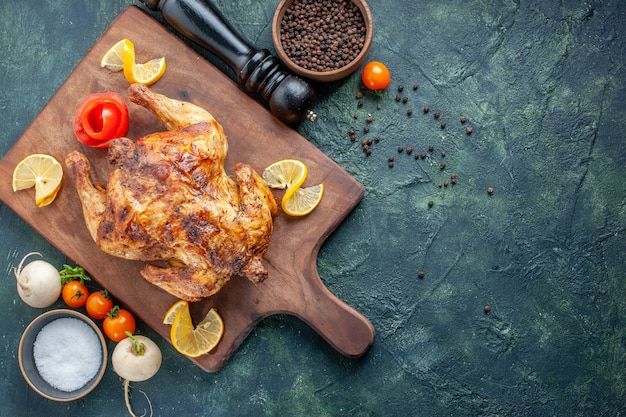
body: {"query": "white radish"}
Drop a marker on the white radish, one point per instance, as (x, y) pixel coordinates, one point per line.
(38, 283)
(135, 359)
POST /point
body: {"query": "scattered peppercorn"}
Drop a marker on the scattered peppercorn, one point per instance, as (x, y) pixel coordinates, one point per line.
(431, 148)
(323, 36)
(400, 88)
(409, 112)
(360, 103)
(369, 118)
(487, 309)
(490, 190)
(377, 138)
(415, 86)
(426, 109)
(431, 203)
(420, 274)
(443, 154)
(398, 97)
(356, 116)
(469, 130)
(442, 166)
(366, 129)
(436, 115)
(379, 106)
(409, 150)
(440, 185)
(442, 125)
(405, 99)
(423, 155)
(453, 180)
(391, 158)
(400, 149)
(417, 156)
(463, 119)
(369, 142)
(445, 183)
(390, 163)
(359, 95)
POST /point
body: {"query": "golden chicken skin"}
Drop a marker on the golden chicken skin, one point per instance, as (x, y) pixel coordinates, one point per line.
(169, 201)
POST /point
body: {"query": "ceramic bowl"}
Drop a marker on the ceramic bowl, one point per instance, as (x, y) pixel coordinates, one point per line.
(27, 361)
(324, 76)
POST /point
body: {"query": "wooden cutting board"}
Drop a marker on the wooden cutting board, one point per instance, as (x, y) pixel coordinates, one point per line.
(255, 136)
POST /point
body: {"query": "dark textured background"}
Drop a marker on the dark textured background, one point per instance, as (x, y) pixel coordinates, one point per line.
(542, 84)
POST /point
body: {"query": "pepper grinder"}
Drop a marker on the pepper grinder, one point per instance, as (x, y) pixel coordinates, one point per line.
(289, 97)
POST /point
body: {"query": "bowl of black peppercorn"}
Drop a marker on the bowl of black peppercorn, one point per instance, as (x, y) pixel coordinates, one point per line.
(322, 40)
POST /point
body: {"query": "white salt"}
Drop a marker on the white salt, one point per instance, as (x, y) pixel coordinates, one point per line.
(67, 353)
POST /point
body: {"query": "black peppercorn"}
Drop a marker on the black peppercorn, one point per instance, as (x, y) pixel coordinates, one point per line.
(463, 119)
(400, 149)
(423, 155)
(431, 148)
(469, 130)
(442, 125)
(391, 158)
(398, 97)
(369, 118)
(415, 86)
(436, 115)
(359, 103)
(431, 203)
(322, 37)
(400, 88)
(442, 166)
(420, 274)
(409, 150)
(426, 109)
(366, 129)
(443, 154)
(490, 190)
(409, 112)
(405, 99)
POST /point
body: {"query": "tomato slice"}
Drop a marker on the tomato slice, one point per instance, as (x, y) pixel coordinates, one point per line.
(100, 118)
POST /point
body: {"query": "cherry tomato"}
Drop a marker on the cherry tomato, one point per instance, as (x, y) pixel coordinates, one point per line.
(99, 304)
(100, 118)
(75, 294)
(376, 76)
(117, 322)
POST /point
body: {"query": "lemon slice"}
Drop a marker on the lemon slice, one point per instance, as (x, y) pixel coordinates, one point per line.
(303, 200)
(147, 73)
(287, 173)
(196, 341)
(113, 59)
(41, 171)
(170, 314)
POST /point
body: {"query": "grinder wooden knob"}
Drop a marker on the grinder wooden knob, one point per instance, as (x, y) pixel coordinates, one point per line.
(288, 96)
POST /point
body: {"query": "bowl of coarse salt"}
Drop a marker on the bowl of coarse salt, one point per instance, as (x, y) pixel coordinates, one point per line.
(62, 355)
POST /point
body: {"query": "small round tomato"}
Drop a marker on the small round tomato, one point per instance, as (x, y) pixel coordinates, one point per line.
(99, 304)
(75, 294)
(117, 322)
(376, 76)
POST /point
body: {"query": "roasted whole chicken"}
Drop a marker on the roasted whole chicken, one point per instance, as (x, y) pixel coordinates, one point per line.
(169, 201)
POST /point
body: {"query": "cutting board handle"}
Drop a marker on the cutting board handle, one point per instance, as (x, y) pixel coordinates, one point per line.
(344, 328)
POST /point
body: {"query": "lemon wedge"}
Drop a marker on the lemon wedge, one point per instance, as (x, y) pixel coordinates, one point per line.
(113, 59)
(303, 200)
(287, 173)
(196, 341)
(147, 73)
(41, 171)
(170, 314)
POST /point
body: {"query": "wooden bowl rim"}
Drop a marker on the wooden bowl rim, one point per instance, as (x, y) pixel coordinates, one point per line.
(324, 75)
